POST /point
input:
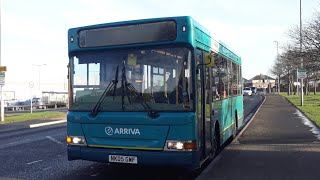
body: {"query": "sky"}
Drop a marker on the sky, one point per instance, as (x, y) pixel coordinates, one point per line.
(34, 32)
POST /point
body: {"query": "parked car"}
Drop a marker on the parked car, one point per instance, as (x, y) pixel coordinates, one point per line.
(247, 91)
(253, 89)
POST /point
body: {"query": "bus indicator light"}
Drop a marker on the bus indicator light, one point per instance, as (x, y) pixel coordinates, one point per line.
(69, 140)
(190, 145)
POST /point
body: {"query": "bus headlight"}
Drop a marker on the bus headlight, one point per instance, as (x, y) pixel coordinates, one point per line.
(76, 140)
(172, 145)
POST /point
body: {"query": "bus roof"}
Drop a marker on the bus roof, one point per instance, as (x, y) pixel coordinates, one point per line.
(188, 31)
(222, 49)
(225, 51)
(197, 36)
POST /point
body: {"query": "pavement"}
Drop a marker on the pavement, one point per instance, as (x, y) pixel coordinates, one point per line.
(4, 128)
(279, 142)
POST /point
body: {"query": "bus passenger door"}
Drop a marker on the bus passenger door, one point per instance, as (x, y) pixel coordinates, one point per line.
(208, 109)
(202, 122)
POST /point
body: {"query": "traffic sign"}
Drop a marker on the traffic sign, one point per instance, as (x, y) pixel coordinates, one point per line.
(302, 74)
(2, 78)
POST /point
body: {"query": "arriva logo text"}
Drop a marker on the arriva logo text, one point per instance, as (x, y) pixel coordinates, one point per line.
(125, 131)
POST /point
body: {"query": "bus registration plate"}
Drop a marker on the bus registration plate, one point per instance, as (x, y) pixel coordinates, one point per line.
(123, 159)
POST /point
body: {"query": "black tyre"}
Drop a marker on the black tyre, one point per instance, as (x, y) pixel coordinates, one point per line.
(216, 141)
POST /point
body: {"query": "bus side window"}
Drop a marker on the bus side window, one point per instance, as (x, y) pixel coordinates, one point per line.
(222, 75)
(229, 76)
(215, 85)
(215, 89)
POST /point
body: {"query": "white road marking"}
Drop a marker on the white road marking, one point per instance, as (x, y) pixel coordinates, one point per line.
(25, 141)
(94, 175)
(307, 122)
(47, 123)
(54, 140)
(47, 168)
(34, 162)
(15, 143)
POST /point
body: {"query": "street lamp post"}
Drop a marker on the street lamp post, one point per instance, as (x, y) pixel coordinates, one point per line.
(39, 75)
(301, 79)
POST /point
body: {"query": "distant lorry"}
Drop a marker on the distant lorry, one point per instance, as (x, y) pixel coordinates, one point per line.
(51, 99)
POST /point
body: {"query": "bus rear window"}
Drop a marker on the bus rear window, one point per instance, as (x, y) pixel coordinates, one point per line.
(129, 34)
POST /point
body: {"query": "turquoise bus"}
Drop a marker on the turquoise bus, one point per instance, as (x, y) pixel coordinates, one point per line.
(151, 92)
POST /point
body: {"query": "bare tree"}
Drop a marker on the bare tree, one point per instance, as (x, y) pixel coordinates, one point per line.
(278, 70)
(310, 53)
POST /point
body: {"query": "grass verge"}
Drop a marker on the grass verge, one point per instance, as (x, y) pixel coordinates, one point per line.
(33, 116)
(311, 105)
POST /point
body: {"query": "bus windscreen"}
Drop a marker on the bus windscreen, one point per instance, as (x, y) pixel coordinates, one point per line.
(128, 34)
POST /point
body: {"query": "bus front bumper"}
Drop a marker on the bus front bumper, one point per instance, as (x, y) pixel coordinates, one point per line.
(185, 159)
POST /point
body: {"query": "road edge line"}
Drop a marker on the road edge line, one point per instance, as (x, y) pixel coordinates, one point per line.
(47, 123)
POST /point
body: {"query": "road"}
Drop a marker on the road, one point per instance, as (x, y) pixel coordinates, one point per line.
(41, 154)
(250, 104)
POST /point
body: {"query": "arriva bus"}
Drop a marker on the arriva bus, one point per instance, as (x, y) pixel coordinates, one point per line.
(151, 92)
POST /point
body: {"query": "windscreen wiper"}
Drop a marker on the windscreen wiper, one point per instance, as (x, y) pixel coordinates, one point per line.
(112, 86)
(123, 86)
(128, 88)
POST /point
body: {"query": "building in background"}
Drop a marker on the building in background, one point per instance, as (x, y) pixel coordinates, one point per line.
(246, 82)
(263, 82)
